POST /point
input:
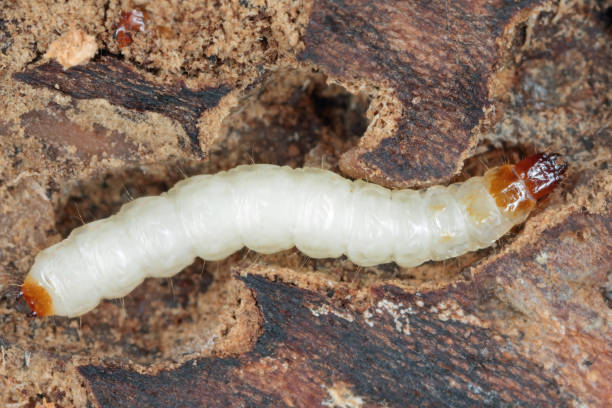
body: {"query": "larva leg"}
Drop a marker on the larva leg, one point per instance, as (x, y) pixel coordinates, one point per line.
(268, 209)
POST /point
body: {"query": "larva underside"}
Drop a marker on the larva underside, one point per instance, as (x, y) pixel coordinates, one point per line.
(268, 209)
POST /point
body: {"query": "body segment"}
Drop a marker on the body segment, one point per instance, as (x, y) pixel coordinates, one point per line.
(268, 209)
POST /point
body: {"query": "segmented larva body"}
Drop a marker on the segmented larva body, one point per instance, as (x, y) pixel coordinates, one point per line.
(268, 209)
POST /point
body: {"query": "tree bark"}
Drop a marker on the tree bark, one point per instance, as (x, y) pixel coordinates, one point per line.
(403, 94)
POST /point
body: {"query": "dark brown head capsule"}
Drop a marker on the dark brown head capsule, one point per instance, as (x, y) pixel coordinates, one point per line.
(517, 188)
(541, 173)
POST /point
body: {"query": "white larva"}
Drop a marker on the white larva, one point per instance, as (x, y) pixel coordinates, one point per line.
(268, 209)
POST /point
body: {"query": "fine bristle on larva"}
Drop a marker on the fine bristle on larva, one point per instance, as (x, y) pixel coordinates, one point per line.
(37, 298)
(268, 209)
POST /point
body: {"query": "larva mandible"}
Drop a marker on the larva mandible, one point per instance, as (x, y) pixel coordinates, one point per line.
(268, 209)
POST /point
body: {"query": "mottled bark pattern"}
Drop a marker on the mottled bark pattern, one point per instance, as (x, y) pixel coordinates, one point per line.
(437, 56)
(433, 348)
(404, 355)
(121, 85)
(525, 322)
(570, 335)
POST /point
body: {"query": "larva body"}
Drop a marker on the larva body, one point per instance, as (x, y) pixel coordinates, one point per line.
(268, 209)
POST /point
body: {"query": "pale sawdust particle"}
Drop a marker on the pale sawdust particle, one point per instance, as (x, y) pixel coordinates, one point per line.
(341, 396)
(45, 404)
(73, 48)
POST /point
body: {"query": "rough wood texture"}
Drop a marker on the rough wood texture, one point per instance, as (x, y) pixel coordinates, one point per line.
(395, 353)
(119, 84)
(438, 58)
(444, 347)
(397, 92)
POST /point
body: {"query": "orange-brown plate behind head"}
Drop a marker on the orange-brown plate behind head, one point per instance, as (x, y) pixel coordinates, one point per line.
(516, 188)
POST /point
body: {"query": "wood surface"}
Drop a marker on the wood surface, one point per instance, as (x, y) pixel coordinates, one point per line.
(110, 79)
(398, 93)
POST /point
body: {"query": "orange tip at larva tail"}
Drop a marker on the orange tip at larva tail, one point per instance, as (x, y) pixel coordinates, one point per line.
(268, 209)
(37, 298)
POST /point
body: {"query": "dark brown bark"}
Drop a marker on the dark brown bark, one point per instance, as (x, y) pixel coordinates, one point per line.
(438, 57)
(524, 322)
(433, 348)
(121, 85)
